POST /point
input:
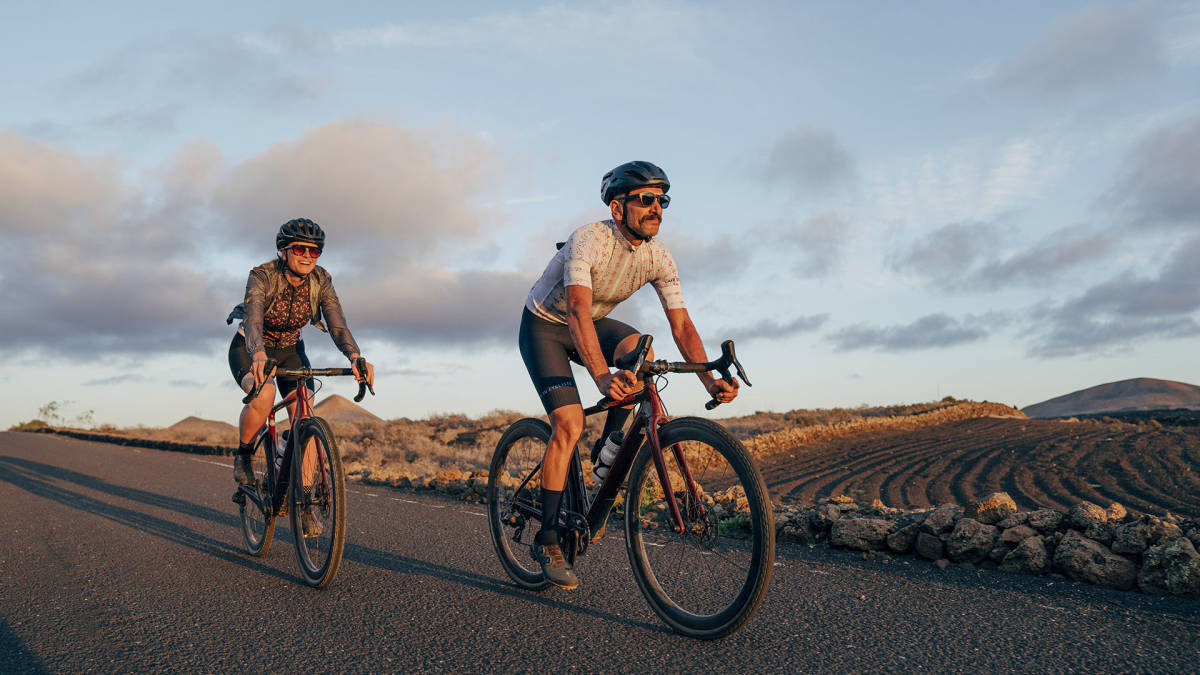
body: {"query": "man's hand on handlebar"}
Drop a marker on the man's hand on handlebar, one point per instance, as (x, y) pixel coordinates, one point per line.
(618, 385)
(723, 391)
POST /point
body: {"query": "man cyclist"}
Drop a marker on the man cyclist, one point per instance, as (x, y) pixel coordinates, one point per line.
(282, 296)
(565, 319)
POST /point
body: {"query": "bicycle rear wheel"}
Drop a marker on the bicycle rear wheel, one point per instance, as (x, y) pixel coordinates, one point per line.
(514, 499)
(323, 496)
(258, 528)
(707, 581)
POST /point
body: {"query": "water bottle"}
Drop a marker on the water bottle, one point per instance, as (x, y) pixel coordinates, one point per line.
(281, 449)
(608, 453)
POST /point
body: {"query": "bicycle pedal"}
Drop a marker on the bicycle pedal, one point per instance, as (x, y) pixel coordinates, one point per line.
(239, 498)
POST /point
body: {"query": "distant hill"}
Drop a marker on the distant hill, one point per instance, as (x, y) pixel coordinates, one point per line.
(342, 410)
(198, 426)
(1141, 393)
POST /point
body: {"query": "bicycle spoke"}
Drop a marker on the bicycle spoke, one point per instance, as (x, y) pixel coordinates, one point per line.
(318, 506)
(707, 579)
(514, 499)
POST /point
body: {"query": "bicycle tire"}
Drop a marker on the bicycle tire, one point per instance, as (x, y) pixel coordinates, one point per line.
(708, 581)
(258, 526)
(518, 456)
(320, 555)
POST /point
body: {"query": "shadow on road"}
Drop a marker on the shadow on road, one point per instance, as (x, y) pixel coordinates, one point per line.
(405, 565)
(14, 656)
(41, 480)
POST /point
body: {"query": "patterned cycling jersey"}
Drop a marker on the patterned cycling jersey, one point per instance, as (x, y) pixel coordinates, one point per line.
(283, 320)
(599, 257)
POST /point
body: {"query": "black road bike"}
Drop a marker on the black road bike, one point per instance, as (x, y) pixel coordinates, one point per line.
(699, 529)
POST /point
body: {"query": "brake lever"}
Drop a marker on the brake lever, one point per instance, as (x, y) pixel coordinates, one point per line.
(269, 370)
(363, 385)
(728, 358)
(728, 353)
(643, 347)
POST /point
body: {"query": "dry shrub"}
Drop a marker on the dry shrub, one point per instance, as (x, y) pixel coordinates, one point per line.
(787, 439)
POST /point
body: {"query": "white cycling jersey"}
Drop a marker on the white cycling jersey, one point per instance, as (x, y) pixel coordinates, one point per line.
(599, 257)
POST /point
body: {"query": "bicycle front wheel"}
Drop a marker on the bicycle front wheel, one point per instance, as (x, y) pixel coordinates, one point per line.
(514, 499)
(708, 580)
(318, 494)
(258, 528)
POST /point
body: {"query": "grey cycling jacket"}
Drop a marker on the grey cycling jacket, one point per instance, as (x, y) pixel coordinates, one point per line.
(263, 286)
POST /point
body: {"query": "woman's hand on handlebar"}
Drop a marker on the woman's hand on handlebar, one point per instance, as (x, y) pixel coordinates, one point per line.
(723, 391)
(369, 376)
(618, 385)
(258, 367)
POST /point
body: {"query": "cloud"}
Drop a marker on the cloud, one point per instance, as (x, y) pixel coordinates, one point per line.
(270, 68)
(1127, 307)
(1094, 49)
(806, 161)
(771, 329)
(681, 33)
(707, 262)
(967, 256)
(944, 253)
(1159, 184)
(928, 332)
(384, 192)
(976, 181)
(818, 244)
(1045, 260)
(433, 307)
(138, 122)
(96, 264)
(115, 379)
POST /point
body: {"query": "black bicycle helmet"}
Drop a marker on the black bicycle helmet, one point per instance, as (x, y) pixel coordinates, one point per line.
(300, 230)
(631, 176)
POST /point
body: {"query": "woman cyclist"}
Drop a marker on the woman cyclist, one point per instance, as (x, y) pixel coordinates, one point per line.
(282, 295)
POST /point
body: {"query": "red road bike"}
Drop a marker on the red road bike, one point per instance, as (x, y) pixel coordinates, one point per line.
(302, 471)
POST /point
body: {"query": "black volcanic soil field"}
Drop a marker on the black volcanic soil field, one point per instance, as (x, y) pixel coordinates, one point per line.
(1040, 463)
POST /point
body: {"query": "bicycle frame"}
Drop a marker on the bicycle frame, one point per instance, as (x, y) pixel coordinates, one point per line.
(277, 481)
(650, 415)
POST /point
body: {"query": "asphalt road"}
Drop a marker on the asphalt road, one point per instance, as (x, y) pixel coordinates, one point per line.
(117, 559)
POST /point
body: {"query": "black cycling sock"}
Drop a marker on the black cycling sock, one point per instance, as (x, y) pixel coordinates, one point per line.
(614, 420)
(245, 449)
(551, 500)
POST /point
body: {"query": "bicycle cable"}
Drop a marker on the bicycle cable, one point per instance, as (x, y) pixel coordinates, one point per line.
(660, 383)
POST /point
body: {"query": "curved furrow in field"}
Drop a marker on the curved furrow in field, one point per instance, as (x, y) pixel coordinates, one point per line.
(1040, 463)
(864, 478)
(1148, 483)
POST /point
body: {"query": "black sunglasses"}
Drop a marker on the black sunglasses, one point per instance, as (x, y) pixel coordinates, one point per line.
(647, 198)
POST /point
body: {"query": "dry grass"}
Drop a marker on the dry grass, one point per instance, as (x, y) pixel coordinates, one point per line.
(787, 439)
(424, 447)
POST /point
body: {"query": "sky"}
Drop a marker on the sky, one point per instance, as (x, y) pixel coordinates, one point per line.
(879, 203)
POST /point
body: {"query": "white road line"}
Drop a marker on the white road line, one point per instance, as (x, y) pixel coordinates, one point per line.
(206, 461)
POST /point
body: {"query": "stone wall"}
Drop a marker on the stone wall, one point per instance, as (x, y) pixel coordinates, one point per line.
(1088, 543)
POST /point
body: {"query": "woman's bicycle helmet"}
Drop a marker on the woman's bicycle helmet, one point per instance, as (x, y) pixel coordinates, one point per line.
(300, 230)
